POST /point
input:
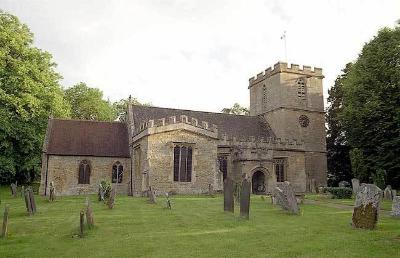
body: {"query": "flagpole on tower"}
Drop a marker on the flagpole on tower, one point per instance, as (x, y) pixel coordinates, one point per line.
(284, 42)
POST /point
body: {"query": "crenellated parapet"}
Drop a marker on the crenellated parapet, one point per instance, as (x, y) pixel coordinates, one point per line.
(267, 143)
(176, 120)
(283, 67)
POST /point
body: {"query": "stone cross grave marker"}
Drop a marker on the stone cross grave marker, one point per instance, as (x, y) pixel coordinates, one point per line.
(229, 203)
(111, 199)
(245, 199)
(355, 183)
(4, 230)
(152, 196)
(396, 207)
(387, 194)
(13, 189)
(285, 197)
(366, 207)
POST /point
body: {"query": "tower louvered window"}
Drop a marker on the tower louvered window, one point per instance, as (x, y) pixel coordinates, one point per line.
(84, 172)
(182, 163)
(301, 88)
(265, 96)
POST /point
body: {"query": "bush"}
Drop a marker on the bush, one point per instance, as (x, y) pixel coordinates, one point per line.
(106, 185)
(340, 192)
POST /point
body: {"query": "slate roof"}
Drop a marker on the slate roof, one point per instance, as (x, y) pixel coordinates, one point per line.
(87, 138)
(239, 126)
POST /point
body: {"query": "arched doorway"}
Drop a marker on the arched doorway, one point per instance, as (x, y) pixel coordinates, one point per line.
(258, 182)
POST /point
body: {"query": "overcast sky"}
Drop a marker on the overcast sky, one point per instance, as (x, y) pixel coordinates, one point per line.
(196, 54)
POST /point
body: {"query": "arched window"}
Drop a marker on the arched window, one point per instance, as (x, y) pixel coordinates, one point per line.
(223, 166)
(117, 172)
(84, 172)
(280, 170)
(182, 163)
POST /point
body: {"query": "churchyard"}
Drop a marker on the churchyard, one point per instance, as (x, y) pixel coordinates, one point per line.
(195, 226)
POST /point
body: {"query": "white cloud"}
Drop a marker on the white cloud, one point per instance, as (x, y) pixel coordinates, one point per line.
(196, 54)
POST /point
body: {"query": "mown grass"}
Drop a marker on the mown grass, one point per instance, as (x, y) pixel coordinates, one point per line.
(385, 205)
(195, 227)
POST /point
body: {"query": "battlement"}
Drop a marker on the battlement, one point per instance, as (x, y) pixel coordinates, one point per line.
(283, 67)
(165, 121)
(268, 142)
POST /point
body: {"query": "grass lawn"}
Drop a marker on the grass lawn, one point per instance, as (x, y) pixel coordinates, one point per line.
(195, 227)
(385, 205)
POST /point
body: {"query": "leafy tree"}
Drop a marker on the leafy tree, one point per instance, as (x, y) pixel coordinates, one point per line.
(371, 108)
(88, 103)
(29, 94)
(339, 166)
(236, 109)
(121, 107)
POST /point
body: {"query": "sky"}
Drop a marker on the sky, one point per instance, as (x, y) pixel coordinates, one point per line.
(196, 54)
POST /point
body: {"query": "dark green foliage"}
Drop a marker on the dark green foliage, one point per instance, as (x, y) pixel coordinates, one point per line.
(107, 186)
(339, 166)
(29, 93)
(340, 192)
(236, 109)
(371, 109)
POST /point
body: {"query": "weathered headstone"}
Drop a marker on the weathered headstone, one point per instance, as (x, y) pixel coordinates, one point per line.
(22, 191)
(245, 199)
(285, 197)
(52, 192)
(366, 207)
(13, 189)
(236, 191)
(394, 193)
(229, 204)
(111, 199)
(396, 206)
(101, 193)
(387, 194)
(89, 213)
(4, 230)
(355, 183)
(152, 196)
(168, 201)
(313, 185)
(30, 201)
(210, 190)
(81, 223)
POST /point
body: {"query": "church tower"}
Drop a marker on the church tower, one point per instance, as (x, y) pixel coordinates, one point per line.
(291, 101)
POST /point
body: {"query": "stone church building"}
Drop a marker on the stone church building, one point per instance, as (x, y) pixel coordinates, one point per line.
(184, 151)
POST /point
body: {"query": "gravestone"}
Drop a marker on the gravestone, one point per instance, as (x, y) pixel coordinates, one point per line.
(22, 191)
(355, 183)
(13, 189)
(81, 223)
(387, 194)
(394, 193)
(30, 201)
(152, 196)
(52, 192)
(111, 199)
(313, 186)
(229, 204)
(101, 193)
(4, 230)
(168, 201)
(366, 207)
(89, 213)
(210, 190)
(245, 199)
(285, 197)
(396, 207)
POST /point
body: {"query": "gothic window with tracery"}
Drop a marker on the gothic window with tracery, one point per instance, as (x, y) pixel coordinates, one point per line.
(280, 170)
(84, 172)
(117, 172)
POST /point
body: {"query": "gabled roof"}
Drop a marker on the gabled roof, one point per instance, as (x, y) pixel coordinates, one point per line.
(238, 126)
(87, 138)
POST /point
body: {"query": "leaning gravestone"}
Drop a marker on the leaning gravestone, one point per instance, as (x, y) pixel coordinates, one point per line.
(366, 207)
(245, 199)
(387, 194)
(355, 184)
(111, 199)
(30, 201)
(396, 207)
(285, 197)
(229, 203)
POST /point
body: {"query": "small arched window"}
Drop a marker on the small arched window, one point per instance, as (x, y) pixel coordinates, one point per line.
(117, 172)
(84, 172)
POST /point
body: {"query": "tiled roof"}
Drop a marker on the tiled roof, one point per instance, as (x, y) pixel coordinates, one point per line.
(239, 126)
(87, 138)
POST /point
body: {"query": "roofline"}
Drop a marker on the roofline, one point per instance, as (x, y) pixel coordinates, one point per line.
(190, 110)
(85, 120)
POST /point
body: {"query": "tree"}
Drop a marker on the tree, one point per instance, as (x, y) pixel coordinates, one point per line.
(121, 107)
(371, 108)
(339, 165)
(88, 103)
(236, 109)
(29, 93)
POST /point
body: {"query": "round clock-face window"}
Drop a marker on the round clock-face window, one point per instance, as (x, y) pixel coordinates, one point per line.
(304, 121)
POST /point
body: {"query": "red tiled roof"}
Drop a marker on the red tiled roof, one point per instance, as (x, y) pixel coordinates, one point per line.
(87, 138)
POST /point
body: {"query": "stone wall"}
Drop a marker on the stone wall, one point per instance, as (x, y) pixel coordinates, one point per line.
(63, 171)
